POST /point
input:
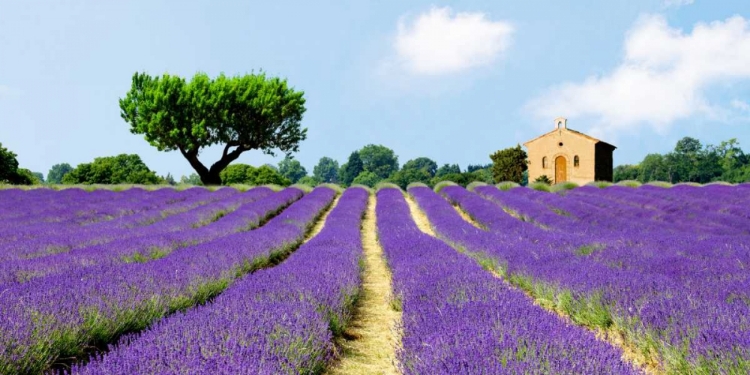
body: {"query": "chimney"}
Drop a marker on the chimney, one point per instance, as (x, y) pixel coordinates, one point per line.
(561, 123)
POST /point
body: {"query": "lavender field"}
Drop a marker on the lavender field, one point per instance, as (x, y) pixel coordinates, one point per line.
(615, 280)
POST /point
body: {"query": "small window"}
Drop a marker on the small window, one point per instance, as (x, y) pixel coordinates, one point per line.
(560, 144)
(575, 161)
(544, 162)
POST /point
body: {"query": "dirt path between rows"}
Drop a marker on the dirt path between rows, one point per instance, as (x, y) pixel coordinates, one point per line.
(370, 342)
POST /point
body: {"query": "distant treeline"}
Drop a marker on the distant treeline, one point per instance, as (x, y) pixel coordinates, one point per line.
(690, 161)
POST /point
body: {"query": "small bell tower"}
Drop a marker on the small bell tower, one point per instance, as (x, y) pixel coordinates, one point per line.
(561, 123)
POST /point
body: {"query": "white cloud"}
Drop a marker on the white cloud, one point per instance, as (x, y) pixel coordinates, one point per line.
(677, 3)
(440, 42)
(739, 104)
(661, 79)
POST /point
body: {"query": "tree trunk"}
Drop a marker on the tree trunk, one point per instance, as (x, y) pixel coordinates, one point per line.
(210, 178)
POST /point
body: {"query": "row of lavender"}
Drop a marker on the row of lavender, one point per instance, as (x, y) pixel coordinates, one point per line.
(459, 319)
(42, 239)
(156, 240)
(277, 320)
(677, 285)
(60, 315)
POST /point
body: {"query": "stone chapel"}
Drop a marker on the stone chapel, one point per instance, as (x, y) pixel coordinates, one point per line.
(567, 155)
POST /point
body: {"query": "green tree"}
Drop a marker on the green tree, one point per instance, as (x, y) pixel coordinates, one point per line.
(406, 176)
(367, 178)
(509, 164)
(250, 112)
(654, 168)
(476, 167)
(56, 173)
(426, 164)
(265, 175)
(351, 169)
(626, 172)
(448, 169)
(120, 169)
(379, 160)
(39, 176)
(168, 179)
(309, 181)
(9, 171)
(459, 178)
(291, 169)
(327, 170)
(481, 175)
(238, 174)
(192, 179)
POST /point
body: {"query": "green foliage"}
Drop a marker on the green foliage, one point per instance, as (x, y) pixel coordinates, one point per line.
(120, 169)
(563, 186)
(378, 159)
(509, 164)
(422, 163)
(367, 178)
(457, 178)
(481, 175)
(265, 175)
(291, 169)
(168, 179)
(238, 174)
(447, 169)
(327, 170)
(626, 172)
(193, 179)
(9, 171)
(39, 177)
(249, 175)
(309, 181)
(543, 179)
(250, 112)
(540, 186)
(690, 161)
(507, 185)
(476, 167)
(404, 177)
(351, 169)
(57, 172)
(629, 183)
(440, 185)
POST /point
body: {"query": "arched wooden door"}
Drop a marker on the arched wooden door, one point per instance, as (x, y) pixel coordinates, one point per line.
(561, 169)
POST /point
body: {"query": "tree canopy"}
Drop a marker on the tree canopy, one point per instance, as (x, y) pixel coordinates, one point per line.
(327, 170)
(56, 173)
(120, 169)
(378, 159)
(447, 169)
(9, 171)
(291, 169)
(250, 112)
(690, 161)
(367, 178)
(249, 175)
(509, 164)
(351, 169)
(422, 163)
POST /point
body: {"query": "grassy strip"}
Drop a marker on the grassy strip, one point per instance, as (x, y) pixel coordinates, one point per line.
(370, 340)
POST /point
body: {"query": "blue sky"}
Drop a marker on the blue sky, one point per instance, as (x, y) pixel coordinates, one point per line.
(453, 81)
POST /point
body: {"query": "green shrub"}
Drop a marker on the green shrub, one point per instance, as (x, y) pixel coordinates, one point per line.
(629, 183)
(507, 185)
(540, 186)
(440, 185)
